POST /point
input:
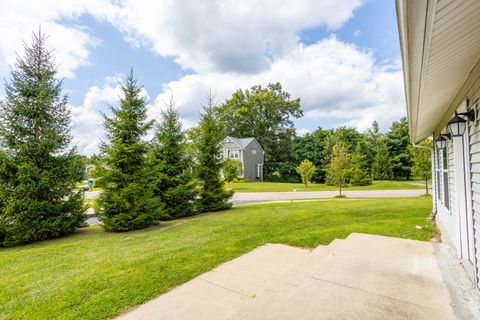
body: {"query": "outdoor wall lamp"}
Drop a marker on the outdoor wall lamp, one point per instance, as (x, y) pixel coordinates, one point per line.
(441, 142)
(457, 126)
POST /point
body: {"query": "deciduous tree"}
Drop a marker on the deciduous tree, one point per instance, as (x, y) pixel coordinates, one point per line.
(264, 113)
(306, 169)
(338, 170)
(422, 163)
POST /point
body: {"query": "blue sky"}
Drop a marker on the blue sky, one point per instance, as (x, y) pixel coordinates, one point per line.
(341, 58)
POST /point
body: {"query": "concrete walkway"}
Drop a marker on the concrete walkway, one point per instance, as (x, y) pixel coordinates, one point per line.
(361, 277)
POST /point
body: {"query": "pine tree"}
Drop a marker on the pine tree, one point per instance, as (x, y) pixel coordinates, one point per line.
(382, 165)
(171, 167)
(38, 170)
(127, 202)
(213, 195)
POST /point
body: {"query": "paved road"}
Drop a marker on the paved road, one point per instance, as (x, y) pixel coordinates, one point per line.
(259, 197)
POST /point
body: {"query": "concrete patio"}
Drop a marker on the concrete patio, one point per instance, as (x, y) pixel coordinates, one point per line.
(361, 277)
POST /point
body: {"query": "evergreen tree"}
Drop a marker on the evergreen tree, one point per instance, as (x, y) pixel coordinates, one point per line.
(127, 202)
(397, 142)
(382, 165)
(213, 195)
(38, 170)
(171, 167)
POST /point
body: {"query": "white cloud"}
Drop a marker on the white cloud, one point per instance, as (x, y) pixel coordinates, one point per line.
(87, 121)
(332, 78)
(226, 36)
(72, 43)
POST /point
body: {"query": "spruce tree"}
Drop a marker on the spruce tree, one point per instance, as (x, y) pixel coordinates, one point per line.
(213, 195)
(382, 165)
(38, 169)
(171, 167)
(127, 202)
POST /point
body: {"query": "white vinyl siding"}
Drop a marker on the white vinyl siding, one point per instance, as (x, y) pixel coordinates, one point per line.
(451, 176)
(474, 155)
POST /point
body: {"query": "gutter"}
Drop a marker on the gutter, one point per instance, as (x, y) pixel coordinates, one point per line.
(434, 198)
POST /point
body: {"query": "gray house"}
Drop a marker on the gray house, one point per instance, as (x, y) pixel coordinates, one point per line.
(248, 152)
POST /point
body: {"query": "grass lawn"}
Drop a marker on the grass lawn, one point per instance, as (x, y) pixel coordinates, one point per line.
(280, 186)
(95, 274)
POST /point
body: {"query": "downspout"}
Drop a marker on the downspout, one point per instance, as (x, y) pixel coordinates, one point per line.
(434, 198)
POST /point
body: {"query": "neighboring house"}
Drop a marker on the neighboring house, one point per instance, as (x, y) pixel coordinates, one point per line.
(440, 43)
(248, 152)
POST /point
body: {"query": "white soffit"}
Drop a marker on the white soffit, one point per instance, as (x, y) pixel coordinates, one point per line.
(440, 42)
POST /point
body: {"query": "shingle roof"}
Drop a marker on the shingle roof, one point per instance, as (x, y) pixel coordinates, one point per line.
(242, 142)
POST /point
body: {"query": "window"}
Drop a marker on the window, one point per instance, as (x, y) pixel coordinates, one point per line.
(259, 171)
(254, 151)
(234, 154)
(442, 177)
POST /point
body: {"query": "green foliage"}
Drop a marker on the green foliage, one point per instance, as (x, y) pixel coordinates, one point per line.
(306, 169)
(312, 147)
(339, 168)
(231, 169)
(422, 161)
(127, 202)
(358, 173)
(38, 171)
(263, 113)
(171, 167)
(280, 172)
(382, 165)
(397, 140)
(213, 195)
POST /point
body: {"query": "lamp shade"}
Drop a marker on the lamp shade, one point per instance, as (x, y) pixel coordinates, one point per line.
(440, 142)
(457, 126)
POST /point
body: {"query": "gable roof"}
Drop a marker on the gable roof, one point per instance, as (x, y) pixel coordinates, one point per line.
(241, 142)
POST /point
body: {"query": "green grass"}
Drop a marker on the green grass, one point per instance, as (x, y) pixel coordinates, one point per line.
(94, 274)
(279, 186)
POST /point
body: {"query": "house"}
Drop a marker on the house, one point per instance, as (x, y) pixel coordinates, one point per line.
(248, 152)
(440, 44)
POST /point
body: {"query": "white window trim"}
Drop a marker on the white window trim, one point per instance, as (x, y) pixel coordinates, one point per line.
(234, 154)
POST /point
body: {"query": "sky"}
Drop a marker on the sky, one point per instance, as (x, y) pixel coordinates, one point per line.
(340, 57)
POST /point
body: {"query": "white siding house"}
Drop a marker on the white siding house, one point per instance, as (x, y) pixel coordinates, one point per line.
(440, 43)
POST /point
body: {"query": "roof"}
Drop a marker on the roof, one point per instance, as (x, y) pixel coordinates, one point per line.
(241, 142)
(440, 46)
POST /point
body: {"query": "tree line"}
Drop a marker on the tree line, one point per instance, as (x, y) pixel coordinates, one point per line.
(146, 181)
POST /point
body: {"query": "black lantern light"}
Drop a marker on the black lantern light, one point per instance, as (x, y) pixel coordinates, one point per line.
(457, 126)
(441, 142)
